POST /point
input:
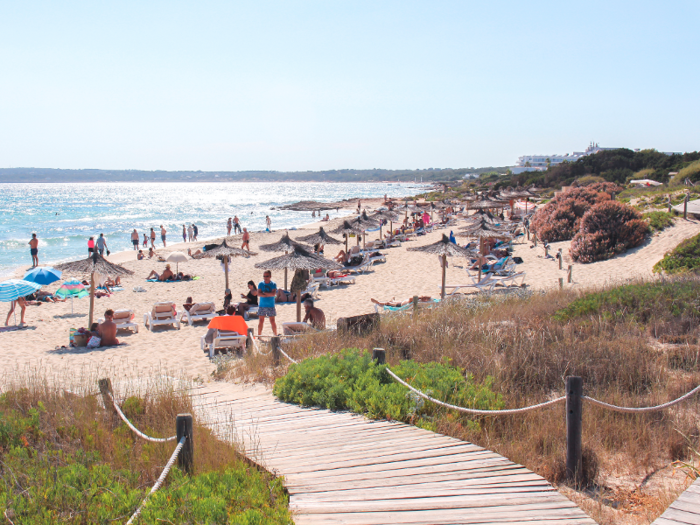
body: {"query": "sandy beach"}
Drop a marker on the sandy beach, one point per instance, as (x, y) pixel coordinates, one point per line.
(403, 275)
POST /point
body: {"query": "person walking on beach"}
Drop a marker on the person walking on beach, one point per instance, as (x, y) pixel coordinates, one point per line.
(267, 290)
(268, 222)
(102, 244)
(190, 233)
(196, 231)
(34, 251)
(184, 233)
(145, 240)
(228, 227)
(246, 240)
(153, 239)
(162, 235)
(91, 245)
(135, 239)
(236, 224)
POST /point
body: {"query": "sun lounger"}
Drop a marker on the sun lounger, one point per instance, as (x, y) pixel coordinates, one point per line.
(162, 314)
(123, 320)
(509, 280)
(224, 339)
(486, 284)
(407, 307)
(199, 312)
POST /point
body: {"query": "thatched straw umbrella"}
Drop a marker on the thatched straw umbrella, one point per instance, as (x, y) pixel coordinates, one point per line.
(385, 214)
(94, 264)
(346, 229)
(480, 215)
(483, 230)
(298, 259)
(226, 252)
(286, 245)
(364, 222)
(320, 237)
(443, 248)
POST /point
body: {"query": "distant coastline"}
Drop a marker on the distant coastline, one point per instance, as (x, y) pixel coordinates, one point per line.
(50, 175)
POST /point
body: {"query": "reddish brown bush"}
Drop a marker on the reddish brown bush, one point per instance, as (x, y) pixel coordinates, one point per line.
(560, 218)
(605, 187)
(608, 228)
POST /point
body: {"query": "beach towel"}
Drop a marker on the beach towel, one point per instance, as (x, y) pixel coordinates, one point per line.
(113, 288)
(195, 278)
(229, 323)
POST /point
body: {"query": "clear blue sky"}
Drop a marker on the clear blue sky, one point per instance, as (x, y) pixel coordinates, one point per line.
(223, 85)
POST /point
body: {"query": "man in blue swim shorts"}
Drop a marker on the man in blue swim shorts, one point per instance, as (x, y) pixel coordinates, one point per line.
(34, 250)
(267, 290)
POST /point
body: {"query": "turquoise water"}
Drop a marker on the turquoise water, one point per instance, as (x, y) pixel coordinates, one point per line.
(64, 216)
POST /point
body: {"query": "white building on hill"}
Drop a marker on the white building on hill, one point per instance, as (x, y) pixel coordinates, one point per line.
(542, 162)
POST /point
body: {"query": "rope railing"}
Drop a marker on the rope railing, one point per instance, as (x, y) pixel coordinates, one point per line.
(136, 430)
(160, 480)
(632, 410)
(475, 411)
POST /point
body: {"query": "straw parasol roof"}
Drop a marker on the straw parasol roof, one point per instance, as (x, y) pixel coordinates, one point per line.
(95, 263)
(480, 215)
(298, 259)
(285, 244)
(225, 249)
(385, 214)
(486, 203)
(320, 237)
(443, 248)
(346, 229)
(483, 229)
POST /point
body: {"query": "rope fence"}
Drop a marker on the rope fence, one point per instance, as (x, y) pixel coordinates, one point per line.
(136, 430)
(160, 480)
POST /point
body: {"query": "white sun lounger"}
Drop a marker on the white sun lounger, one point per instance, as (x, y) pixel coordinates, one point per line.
(199, 312)
(123, 320)
(486, 284)
(224, 339)
(162, 314)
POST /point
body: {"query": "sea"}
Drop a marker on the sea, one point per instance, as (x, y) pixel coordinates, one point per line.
(65, 215)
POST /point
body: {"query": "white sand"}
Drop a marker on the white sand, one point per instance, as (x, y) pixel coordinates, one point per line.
(403, 275)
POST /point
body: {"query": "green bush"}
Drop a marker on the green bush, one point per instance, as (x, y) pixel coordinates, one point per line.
(683, 258)
(352, 380)
(658, 220)
(56, 474)
(642, 303)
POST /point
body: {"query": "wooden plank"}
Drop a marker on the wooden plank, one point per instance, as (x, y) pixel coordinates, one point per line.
(681, 516)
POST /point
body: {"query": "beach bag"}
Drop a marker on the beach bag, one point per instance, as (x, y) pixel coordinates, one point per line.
(94, 342)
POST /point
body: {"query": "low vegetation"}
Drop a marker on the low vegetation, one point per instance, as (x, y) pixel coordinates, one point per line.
(658, 220)
(351, 380)
(636, 345)
(683, 258)
(64, 461)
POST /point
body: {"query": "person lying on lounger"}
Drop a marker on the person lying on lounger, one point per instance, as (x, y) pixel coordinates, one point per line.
(395, 304)
(315, 318)
(167, 274)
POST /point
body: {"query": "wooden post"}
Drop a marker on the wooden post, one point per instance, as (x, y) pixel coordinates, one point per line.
(415, 304)
(379, 355)
(298, 294)
(276, 354)
(226, 269)
(249, 340)
(668, 202)
(534, 239)
(546, 250)
(285, 277)
(528, 233)
(92, 299)
(561, 283)
(685, 208)
(444, 270)
(183, 427)
(574, 427)
(105, 386)
(570, 272)
(560, 259)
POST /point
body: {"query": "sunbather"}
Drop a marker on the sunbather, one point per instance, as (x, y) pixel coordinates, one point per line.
(189, 252)
(251, 299)
(395, 304)
(315, 318)
(166, 275)
(108, 330)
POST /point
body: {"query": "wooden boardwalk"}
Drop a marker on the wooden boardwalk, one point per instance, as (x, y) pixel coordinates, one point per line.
(343, 468)
(685, 510)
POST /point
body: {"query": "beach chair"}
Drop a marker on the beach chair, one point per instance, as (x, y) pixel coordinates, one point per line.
(312, 289)
(231, 332)
(198, 312)
(360, 268)
(407, 307)
(509, 280)
(486, 285)
(253, 310)
(162, 314)
(123, 320)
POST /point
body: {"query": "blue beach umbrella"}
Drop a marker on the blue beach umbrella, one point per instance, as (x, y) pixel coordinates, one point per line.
(43, 276)
(13, 289)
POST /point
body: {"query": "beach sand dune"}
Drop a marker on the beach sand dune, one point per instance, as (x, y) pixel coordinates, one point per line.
(403, 275)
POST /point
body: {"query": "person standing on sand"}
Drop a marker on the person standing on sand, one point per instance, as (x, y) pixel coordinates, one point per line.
(153, 239)
(184, 233)
(145, 240)
(162, 235)
(34, 251)
(268, 221)
(246, 240)
(102, 244)
(22, 302)
(267, 290)
(196, 231)
(190, 233)
(91, 245)
(236, 224)
(135, 239)
(228, 227)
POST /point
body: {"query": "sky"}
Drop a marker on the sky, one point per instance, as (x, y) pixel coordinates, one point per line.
(315, 85)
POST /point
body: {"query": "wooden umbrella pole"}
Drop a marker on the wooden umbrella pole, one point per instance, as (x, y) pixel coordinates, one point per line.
(285, 276)
(298, 294)
(346, 242)
(481, 253)
(92, 299)
(444, 264)
(226, 269)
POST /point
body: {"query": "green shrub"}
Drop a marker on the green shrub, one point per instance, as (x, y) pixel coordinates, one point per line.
(658, 220)
(352, 380)
(683, 258)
